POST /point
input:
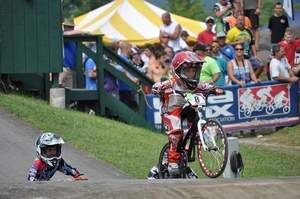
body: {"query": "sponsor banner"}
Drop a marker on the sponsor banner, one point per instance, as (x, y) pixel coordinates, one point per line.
(267, 104)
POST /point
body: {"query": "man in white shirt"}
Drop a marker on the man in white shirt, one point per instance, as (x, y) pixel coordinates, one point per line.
(171, 30)
(280, 70)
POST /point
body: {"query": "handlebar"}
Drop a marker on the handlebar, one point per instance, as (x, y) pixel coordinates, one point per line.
(214, 91)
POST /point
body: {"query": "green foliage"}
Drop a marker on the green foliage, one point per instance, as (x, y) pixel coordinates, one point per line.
(72, 8)
(193, 9)
(267, 9)
(131, 149)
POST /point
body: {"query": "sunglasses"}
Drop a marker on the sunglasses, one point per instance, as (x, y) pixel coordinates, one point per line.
(239, 49)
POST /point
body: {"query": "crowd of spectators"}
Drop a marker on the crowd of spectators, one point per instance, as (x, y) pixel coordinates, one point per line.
(228, 46)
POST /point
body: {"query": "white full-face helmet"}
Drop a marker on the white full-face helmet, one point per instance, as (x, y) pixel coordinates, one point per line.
(49, 140)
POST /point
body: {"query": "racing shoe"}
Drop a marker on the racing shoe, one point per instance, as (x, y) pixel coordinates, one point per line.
(153, 173)
(173, 169)
(190, 173)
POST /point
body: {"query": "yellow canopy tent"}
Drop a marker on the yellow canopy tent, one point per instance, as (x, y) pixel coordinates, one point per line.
(135, 21)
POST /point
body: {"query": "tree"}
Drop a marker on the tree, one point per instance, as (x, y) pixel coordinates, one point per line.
(193, 9)
(73, 8)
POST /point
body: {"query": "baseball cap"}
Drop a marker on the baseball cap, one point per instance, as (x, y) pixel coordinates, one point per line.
(199, 46)
(210, 19)
(221, 34)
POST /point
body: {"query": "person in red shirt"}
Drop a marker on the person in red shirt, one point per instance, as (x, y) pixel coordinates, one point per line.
(290, 44)
(207, 36)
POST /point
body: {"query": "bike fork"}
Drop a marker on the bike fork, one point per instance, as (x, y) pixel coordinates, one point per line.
(199, 126)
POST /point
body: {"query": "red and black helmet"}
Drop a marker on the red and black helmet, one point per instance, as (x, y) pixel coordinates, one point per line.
(184, 60)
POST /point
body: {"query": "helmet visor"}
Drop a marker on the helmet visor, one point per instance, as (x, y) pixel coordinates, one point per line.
(52, 151)
(190, 71)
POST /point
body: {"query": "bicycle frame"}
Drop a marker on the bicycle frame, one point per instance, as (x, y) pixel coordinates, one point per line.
(194, 130)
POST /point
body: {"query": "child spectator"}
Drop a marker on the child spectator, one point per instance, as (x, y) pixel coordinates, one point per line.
(289, 43)
(49, 159)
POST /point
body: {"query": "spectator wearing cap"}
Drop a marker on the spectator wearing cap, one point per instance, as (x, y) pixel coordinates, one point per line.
(280, 69)
(207, 36)
(226, 51)
(65, 78)
(210, 71)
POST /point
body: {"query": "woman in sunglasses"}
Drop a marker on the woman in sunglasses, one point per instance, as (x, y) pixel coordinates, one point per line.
(240, 70)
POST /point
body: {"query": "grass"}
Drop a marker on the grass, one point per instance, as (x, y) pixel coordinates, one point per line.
(287, 136)
(131, 149)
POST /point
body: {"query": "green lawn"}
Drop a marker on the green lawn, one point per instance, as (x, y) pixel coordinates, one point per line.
(288, 136)
(131, 149)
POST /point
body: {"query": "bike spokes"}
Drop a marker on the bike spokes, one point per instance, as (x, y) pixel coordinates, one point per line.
(213, 159)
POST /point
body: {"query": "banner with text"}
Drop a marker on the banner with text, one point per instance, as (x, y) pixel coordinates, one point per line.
(267, 104)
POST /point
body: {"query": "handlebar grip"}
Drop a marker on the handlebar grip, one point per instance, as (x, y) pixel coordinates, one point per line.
(219, 91)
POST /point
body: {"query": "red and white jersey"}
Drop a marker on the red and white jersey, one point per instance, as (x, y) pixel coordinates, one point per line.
(172, 100)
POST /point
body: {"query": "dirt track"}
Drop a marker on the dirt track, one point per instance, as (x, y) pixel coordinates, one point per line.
(105, 181)
(17, 153)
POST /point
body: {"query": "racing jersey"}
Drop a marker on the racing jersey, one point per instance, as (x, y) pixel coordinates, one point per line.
(40, 171)
(172, 100)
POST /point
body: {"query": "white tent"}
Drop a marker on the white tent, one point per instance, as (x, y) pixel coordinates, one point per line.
(135, 21)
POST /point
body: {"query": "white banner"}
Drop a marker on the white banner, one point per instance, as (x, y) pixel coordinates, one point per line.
(288, 7)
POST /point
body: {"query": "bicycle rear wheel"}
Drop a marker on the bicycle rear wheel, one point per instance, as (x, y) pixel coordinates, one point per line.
(163, 164)
(214, 159)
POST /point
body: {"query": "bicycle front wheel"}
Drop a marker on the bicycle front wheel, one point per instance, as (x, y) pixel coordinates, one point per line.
(213, 159)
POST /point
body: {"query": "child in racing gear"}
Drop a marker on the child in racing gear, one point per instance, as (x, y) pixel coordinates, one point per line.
(186, 68)
(49, 160)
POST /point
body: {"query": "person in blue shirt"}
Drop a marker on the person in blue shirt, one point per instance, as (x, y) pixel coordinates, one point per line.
(65, 78)
(226, 51)
(90, 74)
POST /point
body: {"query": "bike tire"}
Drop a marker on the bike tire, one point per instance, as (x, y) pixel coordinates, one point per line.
(206, 164)
(163, 162)
(270, 109)
(183, 164)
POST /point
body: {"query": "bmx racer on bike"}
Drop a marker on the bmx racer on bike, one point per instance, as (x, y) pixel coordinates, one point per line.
(186, 68)
(49, 159)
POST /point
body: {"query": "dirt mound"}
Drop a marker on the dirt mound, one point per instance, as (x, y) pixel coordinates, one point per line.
(274, 188)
